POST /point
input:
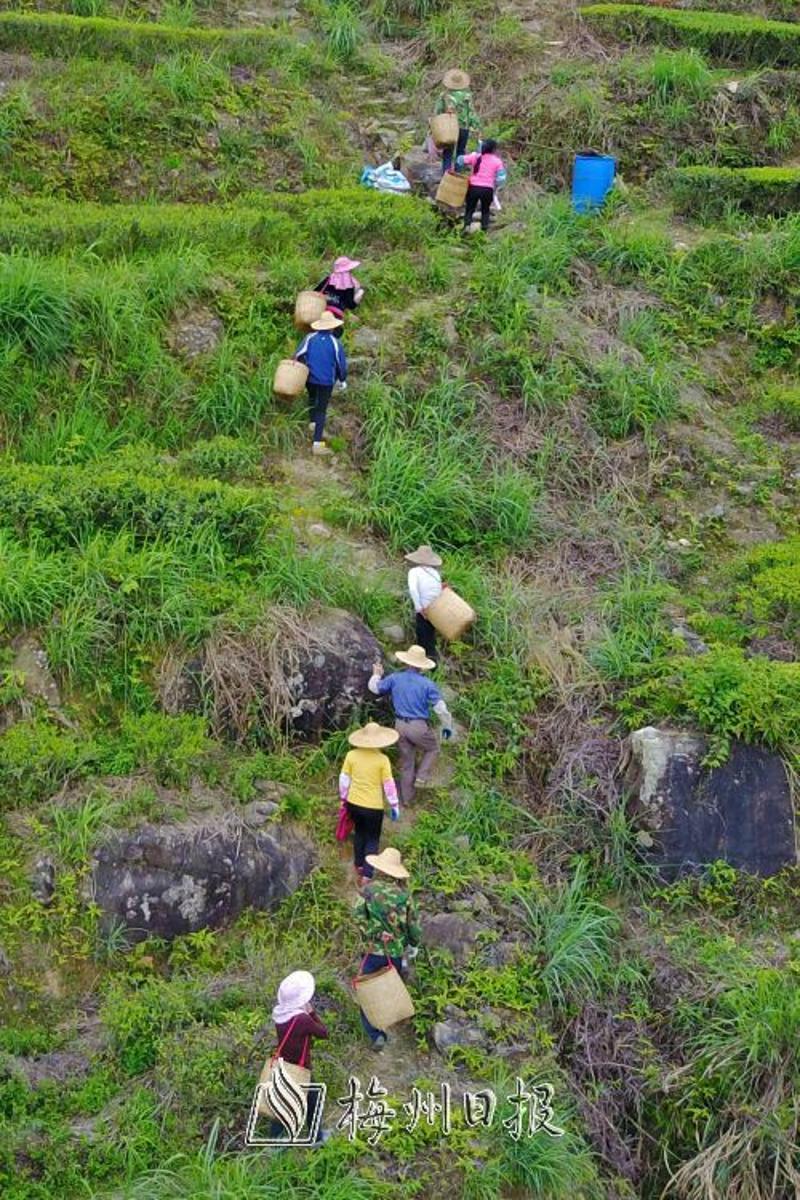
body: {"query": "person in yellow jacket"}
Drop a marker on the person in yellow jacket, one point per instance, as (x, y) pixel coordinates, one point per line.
(366, 784)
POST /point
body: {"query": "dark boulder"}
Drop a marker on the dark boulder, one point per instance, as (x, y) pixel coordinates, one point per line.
(290, 673)
(169, 880)
(453, 932)
(691, 815)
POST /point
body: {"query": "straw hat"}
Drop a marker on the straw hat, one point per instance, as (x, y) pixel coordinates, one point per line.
(454, 80)
(373, 737)
(326, 321)
(388, 862)
(343, 263)
(424, 556)
(415, 656)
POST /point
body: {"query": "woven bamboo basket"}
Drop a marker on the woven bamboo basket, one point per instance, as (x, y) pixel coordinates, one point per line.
(444, 129)
(308, 307)
(450, 615)
(290, 378)
(299, 1076)
(383, 997)
(452, 189)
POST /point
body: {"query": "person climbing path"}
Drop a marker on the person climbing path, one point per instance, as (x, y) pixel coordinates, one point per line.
(387, 917)
(365, 782)
(413, 698)
(424, 586)
(488, 173)
(296, 1026)
(457, 98)
(341, 286)
(325, 357)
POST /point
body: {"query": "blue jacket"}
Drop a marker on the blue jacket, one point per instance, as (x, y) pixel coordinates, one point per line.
(325, 358)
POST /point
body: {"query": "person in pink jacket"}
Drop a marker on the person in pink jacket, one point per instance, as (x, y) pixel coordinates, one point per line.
(488, 173)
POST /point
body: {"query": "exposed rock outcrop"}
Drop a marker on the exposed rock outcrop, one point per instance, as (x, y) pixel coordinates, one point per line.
(302, 674)
(169, 880)
(740, 812)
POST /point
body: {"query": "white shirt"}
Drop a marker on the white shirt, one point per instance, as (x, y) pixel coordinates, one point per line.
(424, 585)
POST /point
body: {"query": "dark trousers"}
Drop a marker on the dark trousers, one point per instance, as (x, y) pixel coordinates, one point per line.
(375, 962)
(368, 823)
(476, 196)
(461, 145)
(318, 397)
(426, 635)
(276, 1129)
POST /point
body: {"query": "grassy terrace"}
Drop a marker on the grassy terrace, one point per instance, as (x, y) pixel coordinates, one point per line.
(729, 37)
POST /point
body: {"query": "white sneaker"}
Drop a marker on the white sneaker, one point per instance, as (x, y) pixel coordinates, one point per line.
(320, 448)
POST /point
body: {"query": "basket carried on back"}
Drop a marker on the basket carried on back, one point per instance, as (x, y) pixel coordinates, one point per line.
(383, 997)
(450, 615)
(444, 129)
(290, 378)
(452, 189)
(308, 307)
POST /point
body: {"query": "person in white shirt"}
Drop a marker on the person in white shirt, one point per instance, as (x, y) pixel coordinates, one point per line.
(424, 586)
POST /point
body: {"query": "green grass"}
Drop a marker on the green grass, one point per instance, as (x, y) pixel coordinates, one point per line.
(723, 36)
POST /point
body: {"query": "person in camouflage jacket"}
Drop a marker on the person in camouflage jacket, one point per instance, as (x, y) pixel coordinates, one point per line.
(387, 916)
(457, 98)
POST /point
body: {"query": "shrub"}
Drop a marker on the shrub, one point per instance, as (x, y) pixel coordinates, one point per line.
(138, 1019)
(773, 588)
(721, 35)
(58, 35)
(631, 398)
(68, 503)
(727, 695)
(173, 748)
(35, 757)
(221, 457)
(710, 191)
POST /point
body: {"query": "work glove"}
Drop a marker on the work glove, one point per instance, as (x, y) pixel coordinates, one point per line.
(342, 386)
(447, 734)
(412, 952)
(395, 812)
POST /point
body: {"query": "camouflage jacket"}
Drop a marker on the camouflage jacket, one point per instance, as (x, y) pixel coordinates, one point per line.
(387, 907)
(461, 101)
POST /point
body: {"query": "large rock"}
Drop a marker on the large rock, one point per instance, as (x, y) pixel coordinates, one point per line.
(299, 674)
(169, 880)
(740, 812)
(454, 932)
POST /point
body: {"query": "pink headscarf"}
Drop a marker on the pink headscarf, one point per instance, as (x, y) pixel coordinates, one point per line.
(341, 277)
(294, 993)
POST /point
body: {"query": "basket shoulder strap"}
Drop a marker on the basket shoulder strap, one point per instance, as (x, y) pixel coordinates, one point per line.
(286, 1037)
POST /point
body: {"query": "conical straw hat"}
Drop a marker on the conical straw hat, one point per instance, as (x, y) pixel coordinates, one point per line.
(455, 80)
(415, 656)
(389, 862)
(424, 556)
(373, 737)
(326, 321)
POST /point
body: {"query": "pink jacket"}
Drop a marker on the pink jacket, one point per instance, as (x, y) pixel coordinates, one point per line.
(490, 168)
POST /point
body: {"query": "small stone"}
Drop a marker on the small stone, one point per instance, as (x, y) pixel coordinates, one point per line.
(451, 931)
(394, 634)
(260, 811)
(43, 880)
(447, 1034)
(461, 841)
(319, 530)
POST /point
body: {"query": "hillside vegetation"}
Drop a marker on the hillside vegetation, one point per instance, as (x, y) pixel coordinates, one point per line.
(595, 419)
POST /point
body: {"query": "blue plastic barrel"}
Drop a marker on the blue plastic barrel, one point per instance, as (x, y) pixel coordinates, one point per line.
(592, 180)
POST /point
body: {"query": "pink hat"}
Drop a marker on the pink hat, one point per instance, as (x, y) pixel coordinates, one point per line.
(294, 994)
(343, 263)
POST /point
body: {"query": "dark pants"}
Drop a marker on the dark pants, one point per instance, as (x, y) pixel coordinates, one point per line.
(426, 635)
(318, 397)
(368, 823)
(375, 962)
(461, 146)
(276, 1129)
(476, 196)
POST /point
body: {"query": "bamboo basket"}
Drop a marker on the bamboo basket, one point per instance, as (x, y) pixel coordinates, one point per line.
(444, 129)
(452, 190)
(297, 1075)
(450, 615)
(383, 997)
(308, 307)
(290, 378)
